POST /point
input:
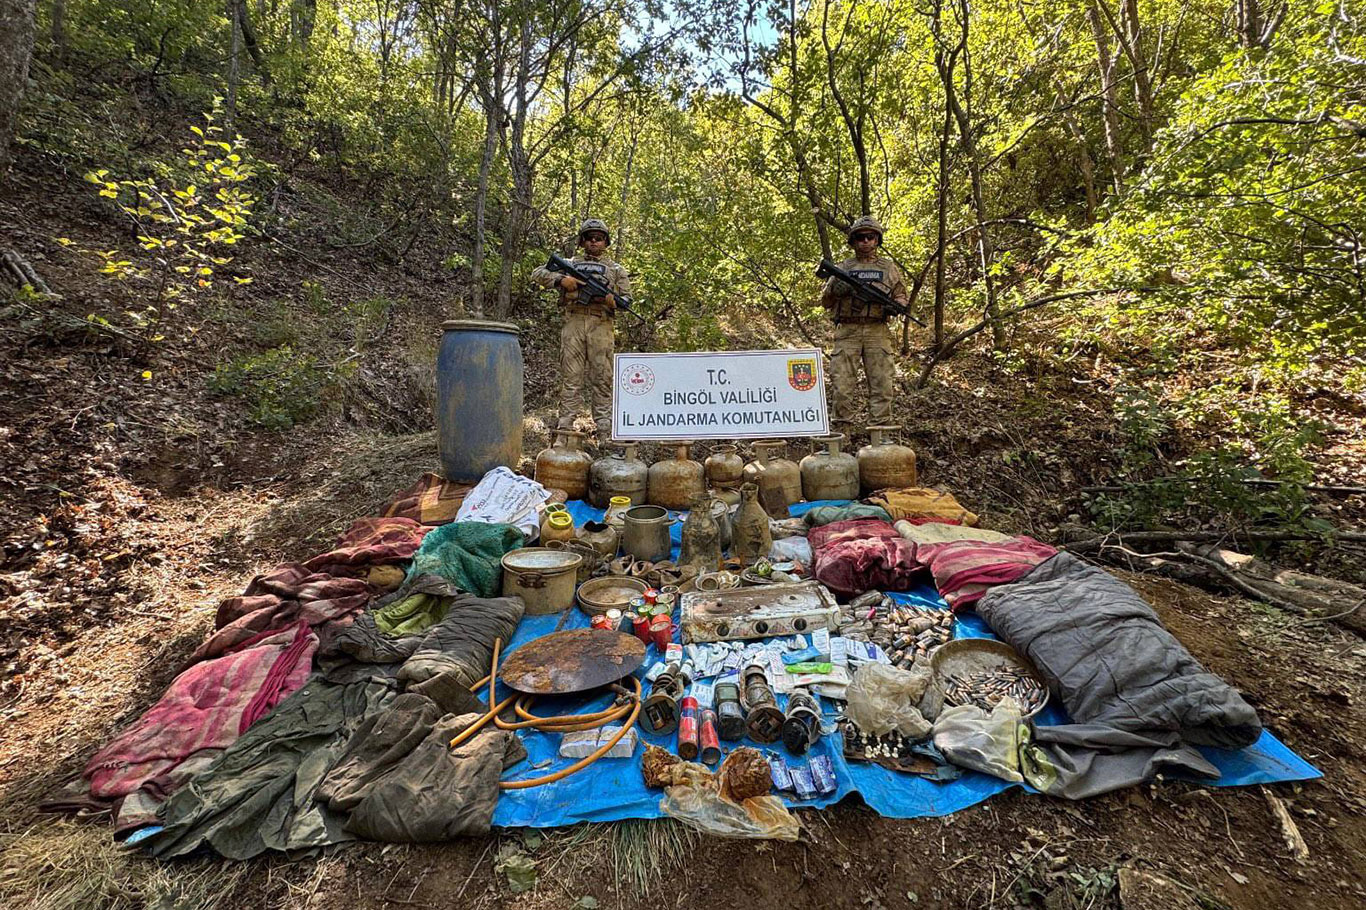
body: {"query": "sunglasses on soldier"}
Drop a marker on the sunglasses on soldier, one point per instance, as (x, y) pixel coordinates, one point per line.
(864, 238)
(594, 235)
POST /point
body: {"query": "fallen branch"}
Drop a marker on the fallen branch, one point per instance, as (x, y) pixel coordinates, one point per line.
(1312, 487)
(1093, 544)
(19, 271)
(1290, 832)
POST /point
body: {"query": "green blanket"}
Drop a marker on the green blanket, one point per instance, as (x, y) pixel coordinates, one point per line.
(468, 554)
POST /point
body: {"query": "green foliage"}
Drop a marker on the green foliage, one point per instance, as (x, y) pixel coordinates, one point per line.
(281, 386)
(183, 216)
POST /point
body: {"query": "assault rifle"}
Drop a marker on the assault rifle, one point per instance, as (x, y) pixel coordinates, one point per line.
(865, 291)
(590, 284)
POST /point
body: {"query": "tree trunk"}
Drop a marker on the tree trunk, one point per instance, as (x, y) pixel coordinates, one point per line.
(1129, 34)
(481, 197)
(234, 12)
(59, 27)
(1109, 95)
(942, 203)
(519, 164)
(986, 255)
(1088, 171)
(16, 46)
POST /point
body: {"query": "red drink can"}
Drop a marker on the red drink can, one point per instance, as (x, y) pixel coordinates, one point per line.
(641, 626)
(687, 728)
(600, 621)
(650, 594)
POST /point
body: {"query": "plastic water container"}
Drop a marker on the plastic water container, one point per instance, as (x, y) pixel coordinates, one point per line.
(478, 398)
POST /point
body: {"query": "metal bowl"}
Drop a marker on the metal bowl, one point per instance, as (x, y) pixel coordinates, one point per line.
(598, 595)
(963, 656)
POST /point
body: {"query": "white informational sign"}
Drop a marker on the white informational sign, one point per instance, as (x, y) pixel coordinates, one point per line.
(719, 395)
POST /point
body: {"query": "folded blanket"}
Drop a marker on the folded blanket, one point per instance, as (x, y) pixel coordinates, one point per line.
(964, 570)
(296, 595)
(922, 502)
(852, 566)
(433, 500)
(205, 709)
(370, 542)
(468, 554)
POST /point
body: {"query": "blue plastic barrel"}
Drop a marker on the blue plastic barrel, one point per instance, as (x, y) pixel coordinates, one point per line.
(478, 398)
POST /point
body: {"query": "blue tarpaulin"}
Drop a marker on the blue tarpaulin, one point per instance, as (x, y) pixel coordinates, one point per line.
(612, 789)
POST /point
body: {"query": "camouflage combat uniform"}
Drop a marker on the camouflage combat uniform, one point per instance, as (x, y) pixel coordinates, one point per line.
(586, 341)
(862, 335)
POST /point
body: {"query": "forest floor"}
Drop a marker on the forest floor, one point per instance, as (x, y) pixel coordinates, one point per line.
(133, 505)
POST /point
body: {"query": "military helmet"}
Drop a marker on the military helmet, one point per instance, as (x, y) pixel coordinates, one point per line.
(595, 224)
(865, 223)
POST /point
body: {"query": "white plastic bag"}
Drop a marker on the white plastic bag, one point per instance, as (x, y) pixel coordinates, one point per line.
(882, 698)
(971, 738)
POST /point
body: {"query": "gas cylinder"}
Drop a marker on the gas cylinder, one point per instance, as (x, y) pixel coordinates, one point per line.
(724, 467)
(885, 464)
(618, 474)
(779, 480)
(675, 481)
(564, 466)
(830, 474)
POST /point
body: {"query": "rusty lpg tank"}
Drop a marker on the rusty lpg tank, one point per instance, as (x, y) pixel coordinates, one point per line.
(618, 474)
(830, 474)
(778, 479)
(675, 481)
(564, 465)
(884, 463)
(724, 467)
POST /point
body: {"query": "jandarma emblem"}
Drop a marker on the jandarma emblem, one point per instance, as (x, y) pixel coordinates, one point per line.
(637, 379)
(801, 374)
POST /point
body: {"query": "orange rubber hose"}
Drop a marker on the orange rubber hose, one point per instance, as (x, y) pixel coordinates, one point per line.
(583, 762)
(563, 723)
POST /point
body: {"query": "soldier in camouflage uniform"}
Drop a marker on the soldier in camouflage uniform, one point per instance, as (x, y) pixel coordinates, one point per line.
(861, 332)
(586, 340)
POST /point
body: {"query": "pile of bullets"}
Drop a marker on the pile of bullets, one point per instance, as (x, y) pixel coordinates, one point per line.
(891, 745)
(986, 688)
(904, 631)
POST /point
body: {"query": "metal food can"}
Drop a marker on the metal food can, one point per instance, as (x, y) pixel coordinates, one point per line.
(711, 745)
(664, 599)
(640, 605)
(661, 610)
(687, 729)
(651, 594)
(661, 632)
(601, 621)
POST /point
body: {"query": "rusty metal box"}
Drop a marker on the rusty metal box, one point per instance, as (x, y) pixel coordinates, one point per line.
(762, 611)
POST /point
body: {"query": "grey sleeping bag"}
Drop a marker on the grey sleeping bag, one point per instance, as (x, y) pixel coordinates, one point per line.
(1137, 697)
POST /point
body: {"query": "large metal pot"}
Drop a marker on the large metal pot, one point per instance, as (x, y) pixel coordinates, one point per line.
(646, 533)
(830, 474)
(564, 465)
(884, 464)
(542, 577)
(618, 474)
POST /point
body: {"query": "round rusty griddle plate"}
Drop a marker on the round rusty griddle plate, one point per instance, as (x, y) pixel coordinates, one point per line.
(573, 661)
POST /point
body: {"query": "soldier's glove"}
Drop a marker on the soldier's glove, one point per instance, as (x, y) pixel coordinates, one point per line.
(611, 301)
(569, 284)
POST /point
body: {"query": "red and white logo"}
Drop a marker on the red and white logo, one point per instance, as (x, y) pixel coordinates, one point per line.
(637, 379)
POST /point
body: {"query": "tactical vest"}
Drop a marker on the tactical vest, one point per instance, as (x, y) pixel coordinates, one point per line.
(851, 309)
(596, 305)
